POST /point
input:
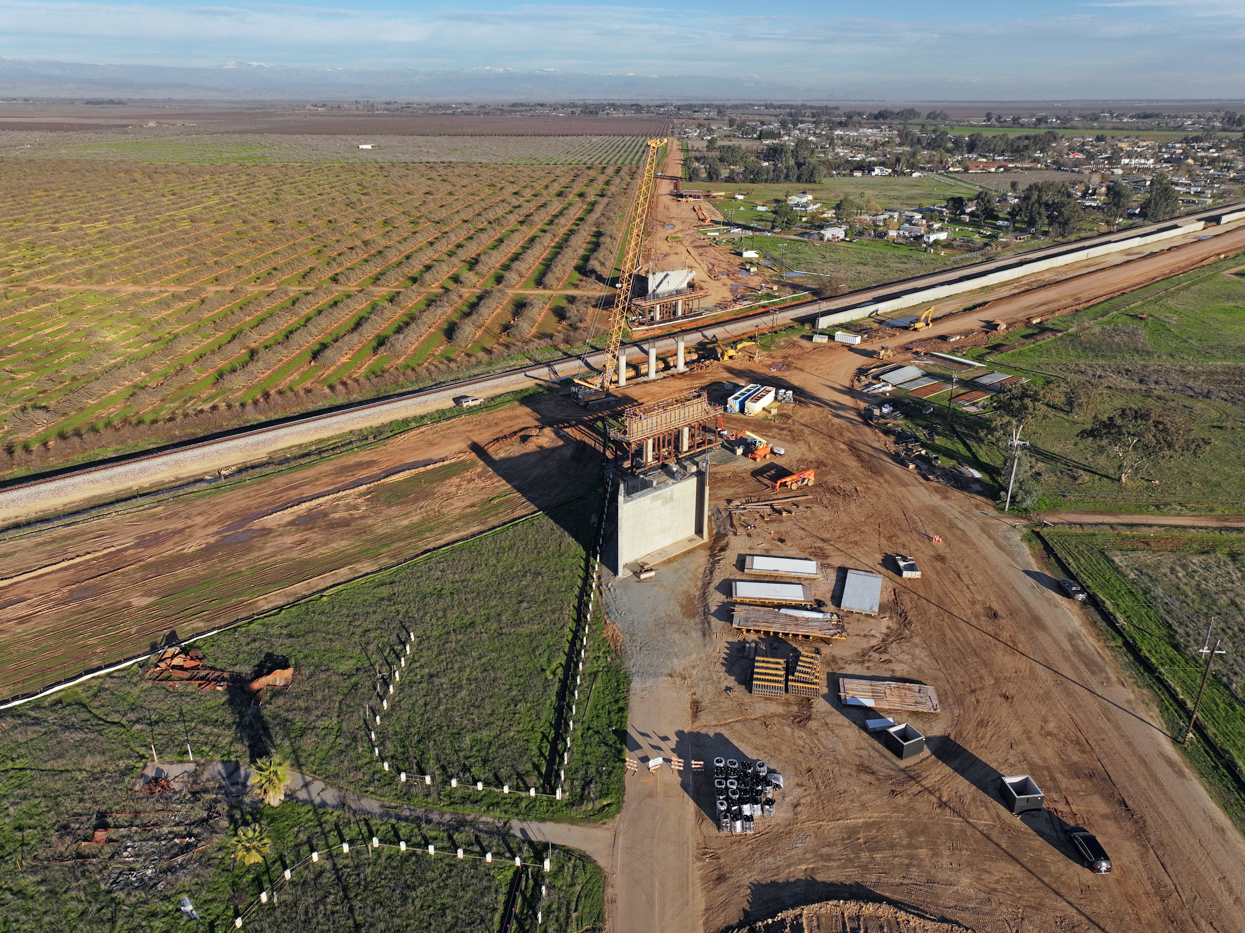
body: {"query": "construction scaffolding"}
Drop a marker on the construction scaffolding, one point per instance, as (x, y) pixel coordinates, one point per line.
(644, 436)
(667, 306)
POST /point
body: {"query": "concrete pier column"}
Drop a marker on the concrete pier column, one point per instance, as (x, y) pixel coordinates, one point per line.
(648, 451)
(622, 367)
(652, 361)
(686, 439)
(679, 343)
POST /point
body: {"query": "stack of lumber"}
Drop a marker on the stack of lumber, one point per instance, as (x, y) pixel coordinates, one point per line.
(805, 680)
(775, 622)
(769, 677)
(887, 694)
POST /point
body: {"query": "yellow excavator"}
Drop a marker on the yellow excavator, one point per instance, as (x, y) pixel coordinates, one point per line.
(594, 392)
(728, 351)
(924, 320)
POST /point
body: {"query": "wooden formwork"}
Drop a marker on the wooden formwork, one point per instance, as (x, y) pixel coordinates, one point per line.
(888, 694)
(769, 677)
(772, 622)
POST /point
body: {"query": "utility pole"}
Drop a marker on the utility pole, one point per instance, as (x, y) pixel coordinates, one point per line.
(1015, 444)
(1210, 658)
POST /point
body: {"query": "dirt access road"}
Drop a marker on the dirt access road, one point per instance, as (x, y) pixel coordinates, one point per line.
(1026, 686)
(675, 242)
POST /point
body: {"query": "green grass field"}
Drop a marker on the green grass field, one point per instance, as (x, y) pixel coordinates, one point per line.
(1186, 356)
(1153, 618)
(861, 262)
(492, 619)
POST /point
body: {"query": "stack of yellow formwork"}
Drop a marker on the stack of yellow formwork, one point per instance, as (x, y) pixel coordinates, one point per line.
(806, 678)
(769, 677)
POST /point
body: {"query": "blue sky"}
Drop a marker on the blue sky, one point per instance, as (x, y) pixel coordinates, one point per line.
(945, 50)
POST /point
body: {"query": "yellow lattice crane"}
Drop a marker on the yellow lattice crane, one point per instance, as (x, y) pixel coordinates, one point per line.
(591, 392)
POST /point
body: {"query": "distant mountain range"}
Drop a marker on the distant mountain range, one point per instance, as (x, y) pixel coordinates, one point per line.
(257, 81)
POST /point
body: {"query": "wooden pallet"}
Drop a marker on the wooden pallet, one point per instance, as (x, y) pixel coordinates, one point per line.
(888, 694)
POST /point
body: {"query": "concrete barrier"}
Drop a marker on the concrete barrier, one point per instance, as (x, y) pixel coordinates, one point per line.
(973, 281)
(1229, 217)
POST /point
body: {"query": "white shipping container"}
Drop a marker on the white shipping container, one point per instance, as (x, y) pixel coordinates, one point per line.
(843, 336)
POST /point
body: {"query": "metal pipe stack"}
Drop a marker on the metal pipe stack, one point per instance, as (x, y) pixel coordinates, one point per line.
(743, 791)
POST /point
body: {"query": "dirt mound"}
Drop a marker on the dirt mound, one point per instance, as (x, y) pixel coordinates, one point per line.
(849, 917)
(522, 441)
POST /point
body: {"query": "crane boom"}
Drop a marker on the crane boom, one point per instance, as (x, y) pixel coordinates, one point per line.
(630, 263)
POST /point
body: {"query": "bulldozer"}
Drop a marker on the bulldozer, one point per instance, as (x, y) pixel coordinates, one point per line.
(923, 321)
(884, 353)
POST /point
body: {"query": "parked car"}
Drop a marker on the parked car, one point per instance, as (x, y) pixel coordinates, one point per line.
(1091, 850)
(1073, 590)
(468, 401)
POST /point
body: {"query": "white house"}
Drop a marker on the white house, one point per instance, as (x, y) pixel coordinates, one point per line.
(833, 233)
(880, 170)
(910, 230)
(934, 237)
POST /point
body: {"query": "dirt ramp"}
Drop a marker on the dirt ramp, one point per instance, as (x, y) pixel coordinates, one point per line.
(849, 917)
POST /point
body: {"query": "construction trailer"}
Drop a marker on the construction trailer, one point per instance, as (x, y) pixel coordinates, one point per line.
(904, 741)
(766, 593)
(888, 694)
(735, 404)
(781, 566)
(842, 336)
(862, 592)
(769, 677)
(1021, 794)
(806, 679)
(787, 623)
(641, 437)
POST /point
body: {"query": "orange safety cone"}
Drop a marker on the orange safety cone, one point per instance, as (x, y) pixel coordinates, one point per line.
(937, 539)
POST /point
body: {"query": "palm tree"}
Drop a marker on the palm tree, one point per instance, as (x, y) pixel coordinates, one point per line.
(250, 844)
(270, 777)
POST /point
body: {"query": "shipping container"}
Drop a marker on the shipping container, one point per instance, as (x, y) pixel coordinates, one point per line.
(842, 336)
(735, 404)
(781, 566)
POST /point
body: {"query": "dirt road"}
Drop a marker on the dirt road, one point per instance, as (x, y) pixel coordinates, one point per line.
(1114, 518)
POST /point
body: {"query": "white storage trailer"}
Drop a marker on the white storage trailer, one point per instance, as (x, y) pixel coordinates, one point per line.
(781, 566)
(758, 401)
(843, 336)
(763, 593)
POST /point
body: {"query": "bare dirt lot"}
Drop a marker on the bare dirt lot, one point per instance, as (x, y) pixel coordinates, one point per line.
(1025, 683)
